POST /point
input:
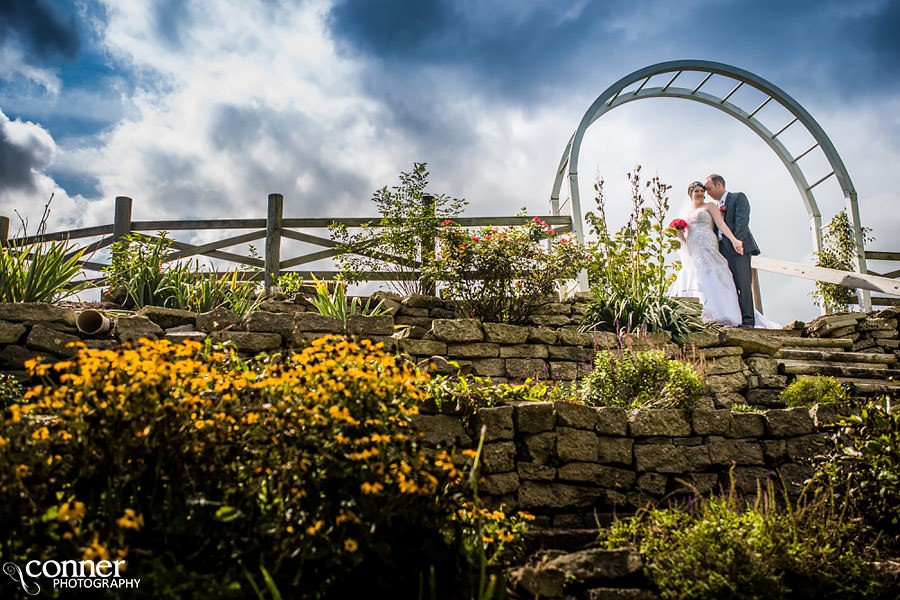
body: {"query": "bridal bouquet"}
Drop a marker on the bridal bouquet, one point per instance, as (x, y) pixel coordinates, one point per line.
(679, 224)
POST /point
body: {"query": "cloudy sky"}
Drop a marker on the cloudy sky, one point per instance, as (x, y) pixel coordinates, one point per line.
(199, 109)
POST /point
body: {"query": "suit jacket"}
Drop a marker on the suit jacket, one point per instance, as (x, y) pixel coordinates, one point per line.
(737, 217)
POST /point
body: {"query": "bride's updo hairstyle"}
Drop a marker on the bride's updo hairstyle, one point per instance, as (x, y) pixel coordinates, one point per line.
(693, 186)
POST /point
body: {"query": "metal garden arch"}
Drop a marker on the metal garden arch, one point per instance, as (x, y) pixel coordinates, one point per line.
(618, 94)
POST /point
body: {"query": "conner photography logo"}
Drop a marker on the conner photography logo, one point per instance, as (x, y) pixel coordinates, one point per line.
(70, 574)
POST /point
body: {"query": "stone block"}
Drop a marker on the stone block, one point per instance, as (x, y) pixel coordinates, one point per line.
(563, 370)
(217, 319)
(10, 333)
(578, 416)
(536, 472)
(828, 413)
(571, 336)
(421, 301)
(526, 368)
(723, 384)
(805, 447)
(422, 347)
(498, 457)
(658, 422)
(534, 417)
(615, 450)
(747, 425)
(248, 341)
(668, 458)
(765, 397)
(574, 353)
(724, 365)
(598, 564)
(787, 422)
(712, 422)
(168, 317)
(603, 476)
(473, 350)
(612, 420)
(421, 322)
(36, 311)
(524, 351)
(775, 451)
(441, 430)
(719, 352)
(366, 325)
(795, 476)
(269, 322)
(746, 479)
(549, 320)
(15, 357)
(739, 451)
(130, 329)
(407, 311)
(701, 483)
(280, 306)
(178, 337)
(655, 483)
(501, 333)
(762, 365)
(538, 582)
(752, 341)
(498, 484)
(576, 445)
(497, 421)
(553, 308)
(541, 335)
(457, 330)
(543, 495)
(702, 339)
(539, 448)
(315, 322)
(489, 367)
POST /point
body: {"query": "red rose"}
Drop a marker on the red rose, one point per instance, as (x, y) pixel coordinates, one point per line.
(678, 224)
(722, 208)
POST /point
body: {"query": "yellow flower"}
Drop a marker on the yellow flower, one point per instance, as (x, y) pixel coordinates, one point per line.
(69, 512)
(505, 535)
(130, 520)
(41, 434)
(371, 488)
(313, 529)
(96, 551)
(3, 441)
(350, 545)
(16, 411)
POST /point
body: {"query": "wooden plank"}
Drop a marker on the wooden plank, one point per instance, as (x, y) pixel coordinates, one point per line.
(232, 241)
(847, 278)
(227, 256)
(198, 224)
(879, 301)
(889, 274)
(463, 221)
(871, 255)
(69, 234)
(91, 248)
(88, 265)
(308, 258)
(361, 250)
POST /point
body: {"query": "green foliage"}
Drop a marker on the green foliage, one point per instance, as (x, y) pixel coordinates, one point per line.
(627, 270)
(11, 391)
(139, 264)
(334, 302)
(838, 252)
(205, 468)
(807, 391)
(746, 408)
(641, 379)
(40, 271)
(725, 548)
(626, 312)
(503, 275)
(291, 282)
(465, 395)
(869, 463)
(403, 239)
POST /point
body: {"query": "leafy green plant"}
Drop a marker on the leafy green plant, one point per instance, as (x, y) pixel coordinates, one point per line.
(503, 275)
(628, 271)
(41, 271)
(291, 282)
(838, 252)
(465, 395)
(641, 379)
(746, 408)
(334, 302)
(807, 391)
(770, 549)
(11, 391)
(402, 240)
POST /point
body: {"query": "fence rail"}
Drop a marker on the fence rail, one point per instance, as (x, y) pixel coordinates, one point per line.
(273, 229)
(892, 274)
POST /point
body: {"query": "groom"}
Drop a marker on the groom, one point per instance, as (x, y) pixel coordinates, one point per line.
(736, 212)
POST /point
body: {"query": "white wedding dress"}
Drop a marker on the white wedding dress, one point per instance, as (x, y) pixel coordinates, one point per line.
(705, 275)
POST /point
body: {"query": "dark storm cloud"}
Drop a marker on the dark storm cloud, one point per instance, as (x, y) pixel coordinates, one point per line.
(19, 163)
(39, 28)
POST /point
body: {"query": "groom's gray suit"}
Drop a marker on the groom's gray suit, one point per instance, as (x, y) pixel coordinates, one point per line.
(737, 217)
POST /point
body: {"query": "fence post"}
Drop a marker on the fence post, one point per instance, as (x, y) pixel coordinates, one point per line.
(427, 243)
(121, 218)
(273, 239)
(4, 230)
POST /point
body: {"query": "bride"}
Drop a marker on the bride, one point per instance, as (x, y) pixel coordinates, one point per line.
(704, 271)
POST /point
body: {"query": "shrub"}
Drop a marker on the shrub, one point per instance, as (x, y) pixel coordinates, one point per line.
(11, 391)
(193, 465)
(626, 312)
(807, 391)
(868, 468)
(402, 240)
(140, 264)
(647, 379)
(465, 395)
(334, 303)
(838, 252)
(41, 271)
(503, 275)
(725, 548)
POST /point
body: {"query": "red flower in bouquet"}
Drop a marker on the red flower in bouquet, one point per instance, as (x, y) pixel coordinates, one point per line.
(679, 224)
(722, 208)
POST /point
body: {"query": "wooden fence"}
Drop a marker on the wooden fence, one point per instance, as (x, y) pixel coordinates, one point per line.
(273, 229)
